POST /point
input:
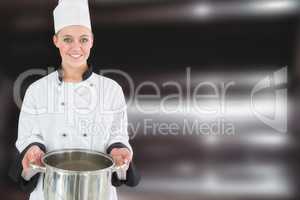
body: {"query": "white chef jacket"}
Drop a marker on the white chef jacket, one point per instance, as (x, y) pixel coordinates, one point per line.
(90, 114)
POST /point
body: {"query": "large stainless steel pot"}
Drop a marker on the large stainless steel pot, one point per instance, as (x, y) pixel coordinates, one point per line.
(76, 174)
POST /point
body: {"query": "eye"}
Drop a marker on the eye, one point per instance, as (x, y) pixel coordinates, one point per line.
(67, 40)
(84, 40)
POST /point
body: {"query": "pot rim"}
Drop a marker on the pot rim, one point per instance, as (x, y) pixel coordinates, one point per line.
(78, 150)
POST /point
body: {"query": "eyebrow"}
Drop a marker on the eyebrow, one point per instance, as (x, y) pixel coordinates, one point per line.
(67, 36)
(72, 36)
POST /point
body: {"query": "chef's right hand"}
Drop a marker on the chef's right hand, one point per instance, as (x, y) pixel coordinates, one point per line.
(33, 155)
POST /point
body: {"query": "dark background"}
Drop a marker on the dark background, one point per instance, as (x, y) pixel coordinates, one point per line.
(229, 40)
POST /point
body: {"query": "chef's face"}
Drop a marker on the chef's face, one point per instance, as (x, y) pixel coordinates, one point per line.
(74, 44)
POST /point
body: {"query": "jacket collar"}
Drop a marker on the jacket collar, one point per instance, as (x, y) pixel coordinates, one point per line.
(85, 75)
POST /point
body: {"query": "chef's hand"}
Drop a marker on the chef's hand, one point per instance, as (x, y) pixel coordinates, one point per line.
(121, 156)
(33, 155)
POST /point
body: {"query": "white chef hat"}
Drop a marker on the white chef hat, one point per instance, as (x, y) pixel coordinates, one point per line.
(71, 12)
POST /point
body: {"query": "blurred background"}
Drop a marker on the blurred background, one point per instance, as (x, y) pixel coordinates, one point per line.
(212, 91)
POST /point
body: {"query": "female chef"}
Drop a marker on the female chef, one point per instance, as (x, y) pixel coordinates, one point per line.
(72, 107)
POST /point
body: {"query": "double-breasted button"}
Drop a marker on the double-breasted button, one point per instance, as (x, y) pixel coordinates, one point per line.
(64, 134)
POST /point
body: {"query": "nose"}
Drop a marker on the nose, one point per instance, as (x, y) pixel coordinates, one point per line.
(76, 45)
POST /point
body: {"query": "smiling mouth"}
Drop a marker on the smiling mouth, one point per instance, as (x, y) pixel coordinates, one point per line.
(75, 56)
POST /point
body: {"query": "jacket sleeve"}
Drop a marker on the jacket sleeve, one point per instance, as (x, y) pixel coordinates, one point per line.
(132, 175)
(28, 135)
(16, 169)
(119, 137)
(118, 130)
(28, 127)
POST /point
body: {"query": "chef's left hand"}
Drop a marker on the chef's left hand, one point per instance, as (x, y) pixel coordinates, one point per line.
(121, 156)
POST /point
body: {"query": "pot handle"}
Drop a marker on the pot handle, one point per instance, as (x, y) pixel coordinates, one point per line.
(121, 171)
(32, 170)
(37, 168)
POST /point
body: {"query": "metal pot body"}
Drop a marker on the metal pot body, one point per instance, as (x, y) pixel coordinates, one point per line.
(76, 174)
(65, 186)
